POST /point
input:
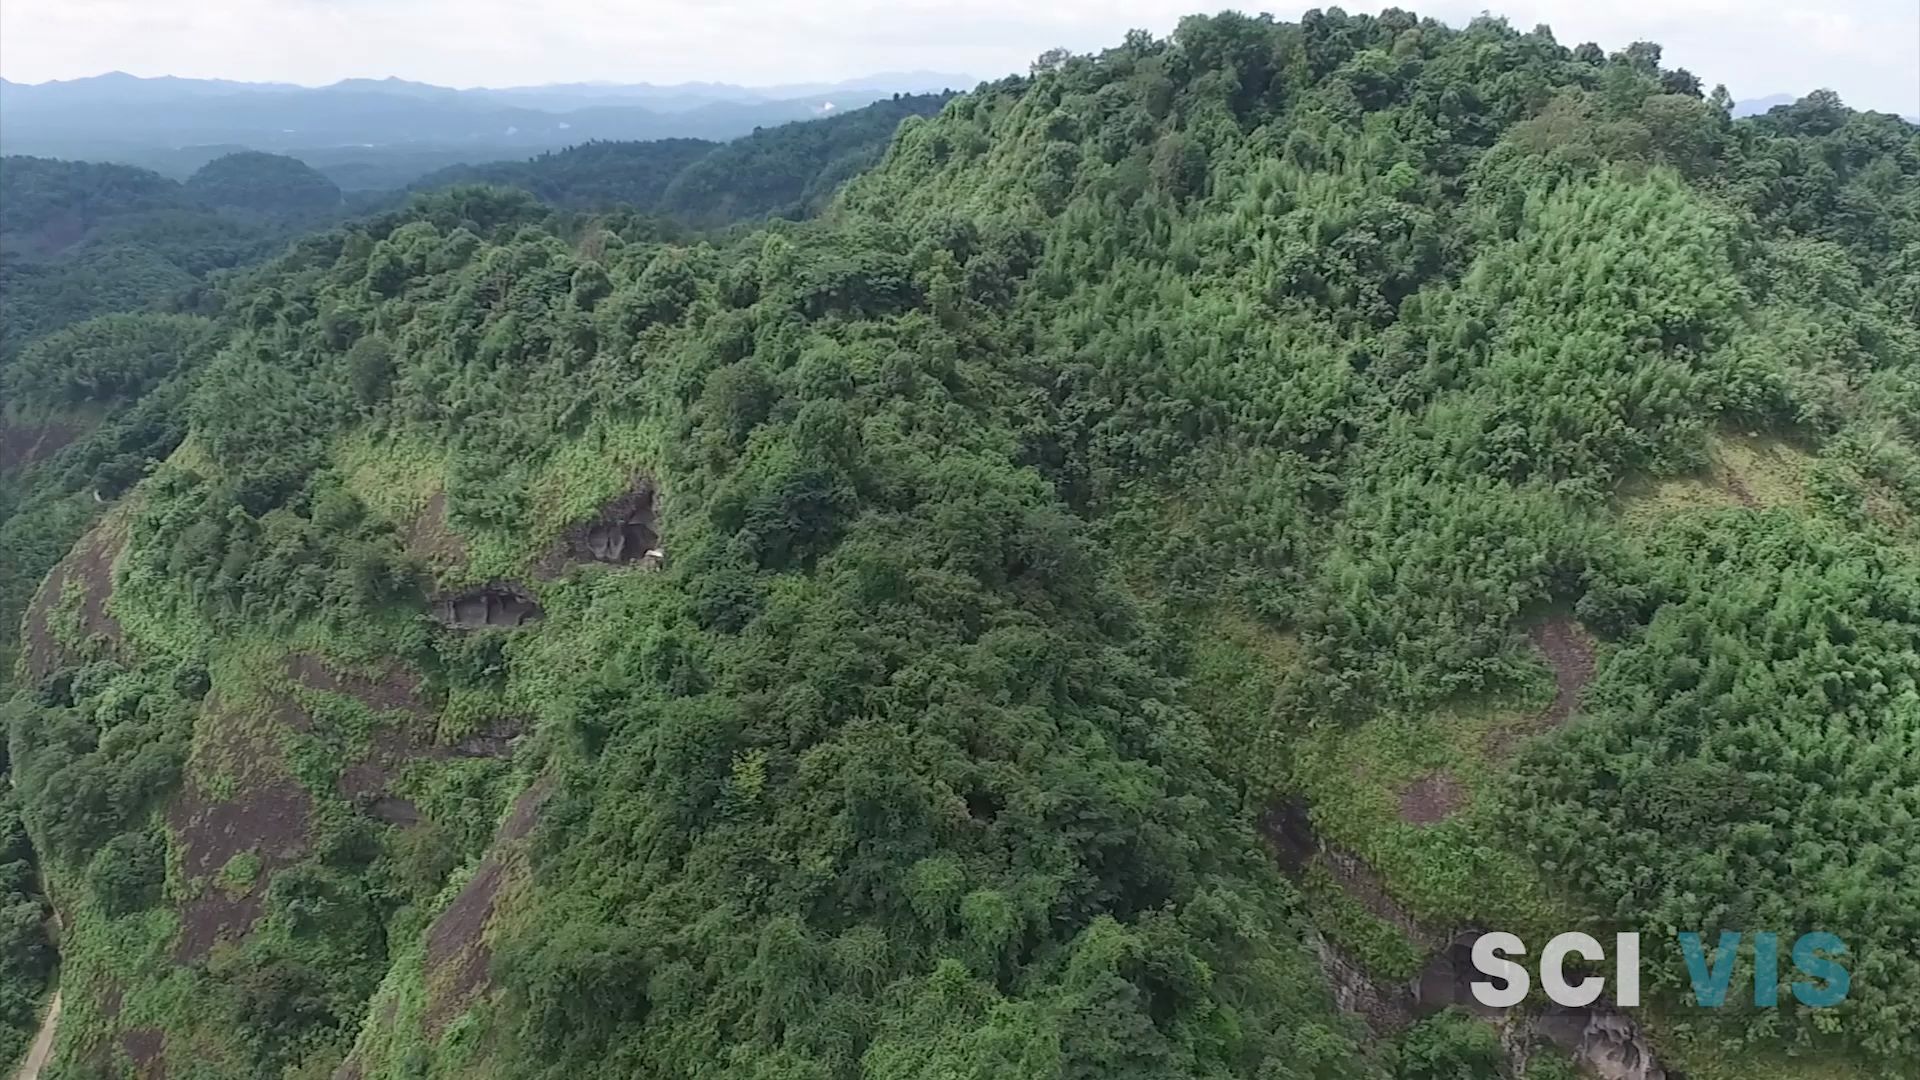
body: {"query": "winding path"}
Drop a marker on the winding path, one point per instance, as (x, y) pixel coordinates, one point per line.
(42, 1044)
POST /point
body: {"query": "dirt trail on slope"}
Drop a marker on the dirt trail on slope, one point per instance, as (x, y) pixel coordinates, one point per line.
(1569, 650)
(42, 1044)
(1572, 655)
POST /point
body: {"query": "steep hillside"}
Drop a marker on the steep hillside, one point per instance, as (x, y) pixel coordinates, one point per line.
(106, 273)
(1181, 545)
(592, 176)
(787, 171)
(82, 245)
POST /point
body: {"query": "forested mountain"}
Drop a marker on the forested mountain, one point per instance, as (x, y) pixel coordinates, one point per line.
(591, 176)
(79, 238)
(383, 133)
(786, 171)
(1184, 541)
(88, 244)
(1759, 105)
(268, 185)
(791, 171)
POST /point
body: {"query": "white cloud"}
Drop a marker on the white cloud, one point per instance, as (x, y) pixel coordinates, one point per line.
(1868, 50)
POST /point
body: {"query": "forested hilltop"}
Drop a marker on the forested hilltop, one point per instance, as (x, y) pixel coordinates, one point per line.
(79, 239)
(108, 274)
(1188, 538)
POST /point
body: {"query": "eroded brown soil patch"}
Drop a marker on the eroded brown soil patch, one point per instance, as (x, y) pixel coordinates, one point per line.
(89, 569)
(269, 814)
(147, 1049)
(1571, 654)
(22, 444)
(368, 782)
(365, 782)
(457, 951)
(1432, 798)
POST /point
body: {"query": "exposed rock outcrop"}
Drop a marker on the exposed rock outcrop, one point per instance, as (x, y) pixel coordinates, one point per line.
(265, 813)
(393, 689)
(1447, 979)
(496, 604)
(458, 953)
(70, 608)
(1604, 1040)
(625, 532)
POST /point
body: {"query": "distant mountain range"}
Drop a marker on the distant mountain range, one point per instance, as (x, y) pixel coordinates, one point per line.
(1761, 105)
(383, 134)
(1758, 106)
(368, 133)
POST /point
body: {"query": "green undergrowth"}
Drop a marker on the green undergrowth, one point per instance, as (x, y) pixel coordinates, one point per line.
(395, 475)
(1452, 873)
(1382, 949)
(1741, 470)
(398, 475)
(1235, 669)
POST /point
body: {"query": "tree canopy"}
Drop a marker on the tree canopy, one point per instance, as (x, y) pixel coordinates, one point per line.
(1384, 340)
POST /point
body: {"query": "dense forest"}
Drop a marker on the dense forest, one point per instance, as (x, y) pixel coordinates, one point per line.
(100, 263)
(79, 239)
(1124, 589)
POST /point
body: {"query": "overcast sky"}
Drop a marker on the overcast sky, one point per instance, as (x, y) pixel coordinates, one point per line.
(1868, 50)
